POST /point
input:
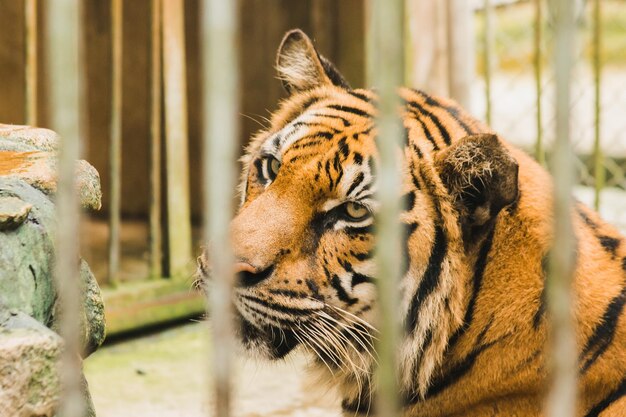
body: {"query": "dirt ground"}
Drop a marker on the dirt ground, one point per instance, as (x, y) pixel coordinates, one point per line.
(167, 375)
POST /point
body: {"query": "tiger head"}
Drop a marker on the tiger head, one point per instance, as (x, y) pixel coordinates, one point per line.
(303, 236)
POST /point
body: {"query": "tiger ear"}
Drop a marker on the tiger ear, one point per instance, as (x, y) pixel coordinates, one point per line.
(481, 175)
(300, 67)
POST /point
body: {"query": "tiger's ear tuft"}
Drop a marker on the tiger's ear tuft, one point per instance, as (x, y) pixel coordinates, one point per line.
(481, 175)
(300, 67)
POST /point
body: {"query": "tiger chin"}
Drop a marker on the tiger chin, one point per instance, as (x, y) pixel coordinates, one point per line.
(477, 231)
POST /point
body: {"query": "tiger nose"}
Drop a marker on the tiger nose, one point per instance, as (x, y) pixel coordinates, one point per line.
(248, 275)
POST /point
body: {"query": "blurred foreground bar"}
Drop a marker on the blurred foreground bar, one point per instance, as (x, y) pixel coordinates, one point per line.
(64, 79)
(563, 357)
(221, 95)
(386, 73)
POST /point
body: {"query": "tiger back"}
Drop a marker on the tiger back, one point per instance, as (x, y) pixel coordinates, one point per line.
(477, 219)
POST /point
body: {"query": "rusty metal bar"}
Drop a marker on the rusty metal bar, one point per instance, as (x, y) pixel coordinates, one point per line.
(63, 31)
(221, 135)
(540, 154)
(488, 55)
(387, 64)
(176, 137)
(30, 24)
(115, 157)
(563, 352)
(598, 156)
(155, 144)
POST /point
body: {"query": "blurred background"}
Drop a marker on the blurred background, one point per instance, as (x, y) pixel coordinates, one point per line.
(493, 56)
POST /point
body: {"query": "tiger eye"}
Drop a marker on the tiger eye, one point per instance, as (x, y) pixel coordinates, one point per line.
(274, 167)
(356, 211)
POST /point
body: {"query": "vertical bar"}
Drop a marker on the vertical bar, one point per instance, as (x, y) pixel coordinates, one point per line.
(63, 31)
(176, 136)
(460, 51)
(538, 35)
(598, 157)
(386, 72)
(221, 104)
(562, 395)
(115, 158)
(31, 61)
(155, 143)
(488, 55)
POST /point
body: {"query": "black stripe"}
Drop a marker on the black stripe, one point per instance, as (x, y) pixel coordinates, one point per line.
(603, 334)
(341, 292)
(355, 231)
(585, 217)
(278, 307)
(430, 279)
(610, 244)
(348, 109)
(357, 181)
(426, 131)
(541, 310)
(345, 121)
(258, 164)
(364, 256)
(479, 272)
(360, 96)
(408, 231)
(358, 278)
(618, 393)
(442, 130)
(408, 201)
(358, 158)
(453, 110)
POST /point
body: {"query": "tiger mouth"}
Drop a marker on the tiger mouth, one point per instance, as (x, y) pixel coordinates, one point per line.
(279, 341)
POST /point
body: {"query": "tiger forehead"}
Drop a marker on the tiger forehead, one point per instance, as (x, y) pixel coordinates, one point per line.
(322, 122)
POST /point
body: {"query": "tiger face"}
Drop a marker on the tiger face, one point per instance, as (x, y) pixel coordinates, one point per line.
(477, 230)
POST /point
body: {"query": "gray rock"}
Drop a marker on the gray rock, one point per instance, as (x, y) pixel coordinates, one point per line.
(13, 212)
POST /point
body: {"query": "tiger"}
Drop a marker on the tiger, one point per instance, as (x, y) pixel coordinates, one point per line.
(477, 230)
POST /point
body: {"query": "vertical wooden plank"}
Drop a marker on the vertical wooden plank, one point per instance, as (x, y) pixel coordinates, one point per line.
(115, 156)
(221, 104)
(30, 21)
(64, 71)
(324, 18)
(460, 35)
(155, 142)
(386, 66)
(563, 357)
(598, 157)
(540, 154)
(176, 146)
(488, 55)
(425, 46)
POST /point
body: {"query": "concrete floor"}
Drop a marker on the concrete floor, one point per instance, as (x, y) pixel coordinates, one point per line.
(166, 375)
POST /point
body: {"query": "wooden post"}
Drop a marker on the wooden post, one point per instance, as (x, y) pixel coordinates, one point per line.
(176, 140)
(386, 71)
(155, 144)
(115, 157)
(63, 35)
(461, 59)
(221, 104)
(426, 46)
(563, 357)
(30, 23)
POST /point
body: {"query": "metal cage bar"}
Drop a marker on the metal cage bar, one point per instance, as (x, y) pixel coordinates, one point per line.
(63, 34)
(563, 353)
(221, 95)
(538, 71)
(386, 71)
